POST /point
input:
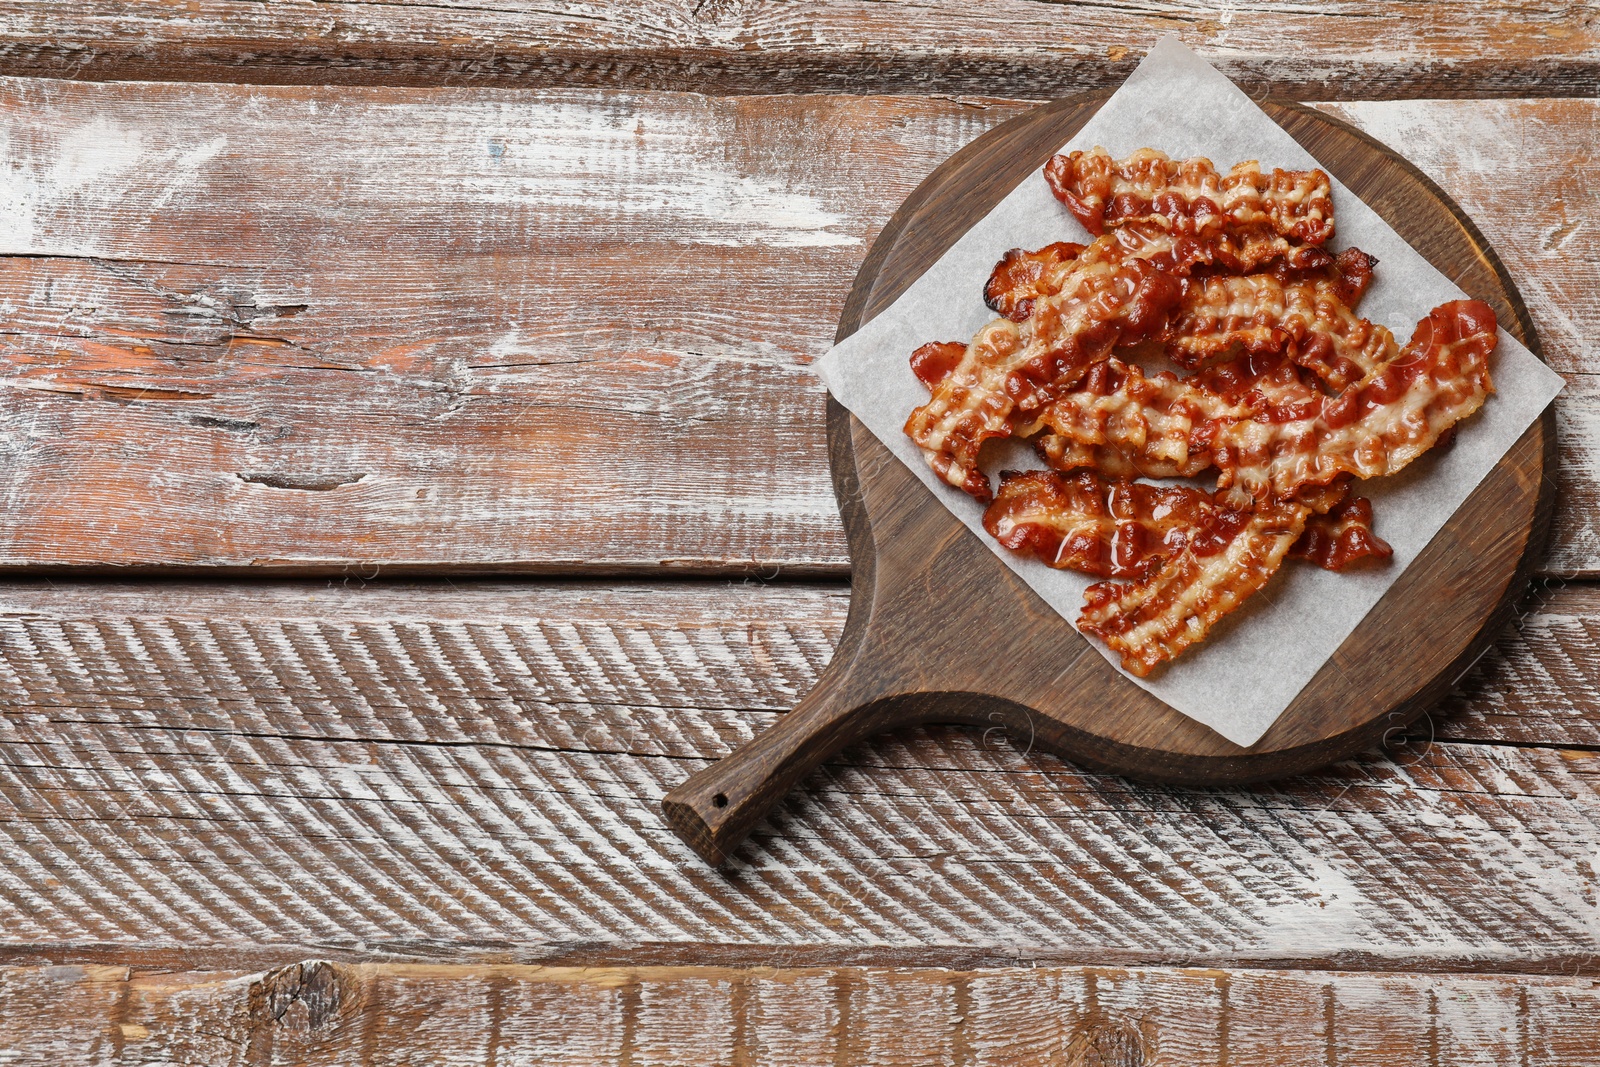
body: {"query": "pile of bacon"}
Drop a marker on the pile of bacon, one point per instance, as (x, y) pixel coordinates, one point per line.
(1289, 395)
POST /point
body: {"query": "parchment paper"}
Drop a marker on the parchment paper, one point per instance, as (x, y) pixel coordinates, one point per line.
(1248, 671)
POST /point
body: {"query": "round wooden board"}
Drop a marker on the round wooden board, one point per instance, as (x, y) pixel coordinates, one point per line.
(941, 631)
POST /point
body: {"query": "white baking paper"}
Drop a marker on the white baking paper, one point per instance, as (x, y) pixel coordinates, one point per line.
(1251, 667)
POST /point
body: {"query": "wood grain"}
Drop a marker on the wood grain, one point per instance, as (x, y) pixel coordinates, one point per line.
(194, 769)
(1537, 685)
(363, 329)
(330, 417)
(461, 357)
(1364, 48)
(373, 1014)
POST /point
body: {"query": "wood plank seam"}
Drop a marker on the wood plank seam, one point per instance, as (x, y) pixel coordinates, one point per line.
(318, 1010)
(1021, 48)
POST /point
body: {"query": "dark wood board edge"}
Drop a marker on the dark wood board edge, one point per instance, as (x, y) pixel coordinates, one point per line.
(1257, 765)
(716, 808)
(1246, 765)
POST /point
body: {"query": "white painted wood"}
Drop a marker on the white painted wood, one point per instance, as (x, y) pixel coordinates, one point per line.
(379, 329)
(1373, 48)
(383, 769)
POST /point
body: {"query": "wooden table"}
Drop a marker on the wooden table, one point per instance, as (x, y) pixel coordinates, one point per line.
(412, 469)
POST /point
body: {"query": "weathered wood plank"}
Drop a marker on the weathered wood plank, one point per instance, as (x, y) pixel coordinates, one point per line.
(470, 355)
(396, 770)
(1463, 147)
(541, 331)
(1538, 684)
(1360, 48)
(372, 1014)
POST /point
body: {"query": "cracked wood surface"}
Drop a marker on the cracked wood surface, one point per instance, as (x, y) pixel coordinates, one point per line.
(559, 331)
(374, 1014)
(1368, 48)
(194, 775)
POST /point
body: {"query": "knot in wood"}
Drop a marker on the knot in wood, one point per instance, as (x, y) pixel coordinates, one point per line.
(306, 997)
(1106, 1044)
(718, 12)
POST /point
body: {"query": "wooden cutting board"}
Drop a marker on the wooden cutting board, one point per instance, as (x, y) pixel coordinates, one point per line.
(940, 630)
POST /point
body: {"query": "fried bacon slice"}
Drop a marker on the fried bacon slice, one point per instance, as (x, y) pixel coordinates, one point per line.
(1154, 619)
(1122, 422)
(1248, 217)
(1117, 528)
(1111, 528)
(1306, 314)
(1021, 277)
(1218, 564)
(1193, 558)
(1115, 293)
(969, 404)
(1376, 426)
(1341, 536)
(1267, 430)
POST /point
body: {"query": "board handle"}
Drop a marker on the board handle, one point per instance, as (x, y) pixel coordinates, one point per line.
(717, 808)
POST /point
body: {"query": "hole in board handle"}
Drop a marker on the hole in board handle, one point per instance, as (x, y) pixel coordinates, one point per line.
(720, 800)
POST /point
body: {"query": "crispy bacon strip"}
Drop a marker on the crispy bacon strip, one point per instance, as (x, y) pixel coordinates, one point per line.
(969, 404)
(1265, 428)
(1342, 536)
(1122, 422)
(1115, 293)
(1252, 217)
(1109, 528)
(1307, 315)
(1304, 311)
(1231, 554)
(1117, 528)
(1154, 619)
(1376, 426)
(1021, 277)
